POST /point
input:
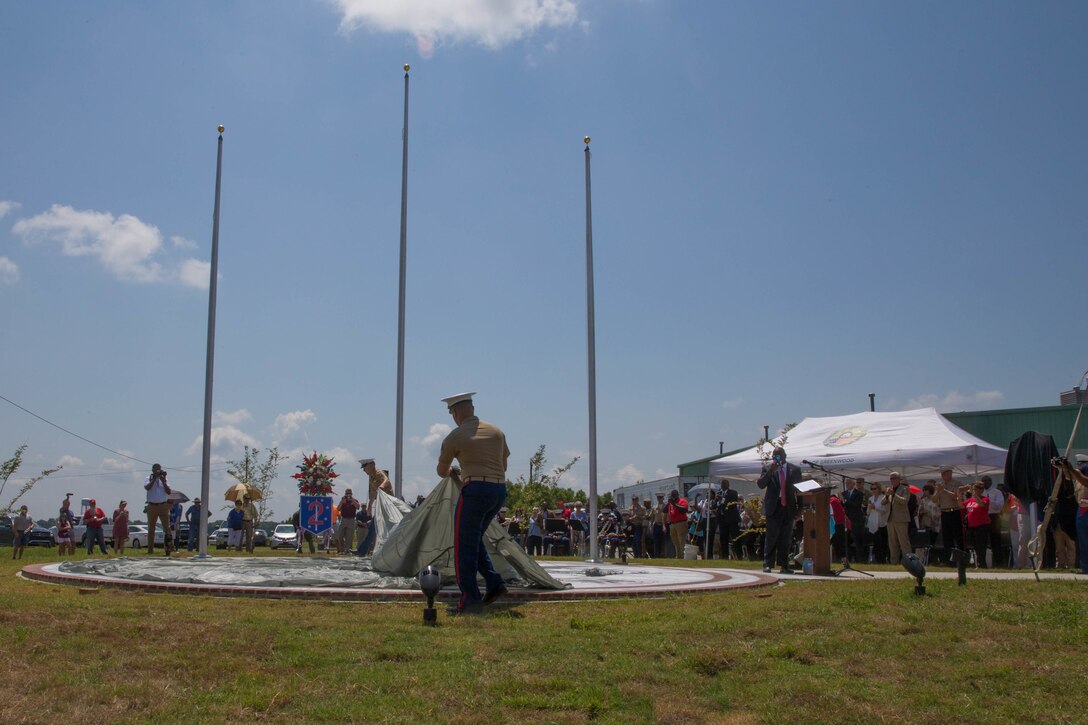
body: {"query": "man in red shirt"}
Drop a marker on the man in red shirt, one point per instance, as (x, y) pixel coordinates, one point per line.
(94, 517)
(842, 524)
(349, 506)
(676, 516)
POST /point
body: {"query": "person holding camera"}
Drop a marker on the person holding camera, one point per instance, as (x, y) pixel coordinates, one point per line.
(780, 509)
(158, 508)
(729, 506)
(1078, 474)
(976, 506)
(676, 516)
(897, 499)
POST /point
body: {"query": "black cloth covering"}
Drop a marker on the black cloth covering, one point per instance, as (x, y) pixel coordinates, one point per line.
(1028, 472)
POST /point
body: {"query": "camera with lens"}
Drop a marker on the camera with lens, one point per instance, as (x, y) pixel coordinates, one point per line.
(1059, 461)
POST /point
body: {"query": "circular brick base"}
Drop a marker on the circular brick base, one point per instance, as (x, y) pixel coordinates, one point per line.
(587, 581)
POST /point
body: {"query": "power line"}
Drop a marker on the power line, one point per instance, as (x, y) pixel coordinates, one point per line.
(184, 469)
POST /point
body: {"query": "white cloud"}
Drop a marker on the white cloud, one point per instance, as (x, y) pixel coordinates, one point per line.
(732, 404)
(9, 271)
(487, 22)
(344, 461)
(437, 432)
(113, 465)
(287, 423)
(628, 475)
(956, 401)
(225, 438)
(123, 245)
(183, 243)
(662, 473)
(69, 462)
(195, 273)
(6, 207)
(126, 247)
(238, 417)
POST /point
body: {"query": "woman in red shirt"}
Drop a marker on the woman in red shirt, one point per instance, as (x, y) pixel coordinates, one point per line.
(977, 506)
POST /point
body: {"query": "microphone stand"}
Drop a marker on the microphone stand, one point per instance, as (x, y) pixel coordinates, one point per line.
(842, 478)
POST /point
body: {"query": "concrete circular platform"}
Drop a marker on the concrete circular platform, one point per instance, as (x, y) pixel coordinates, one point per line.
(228, 577)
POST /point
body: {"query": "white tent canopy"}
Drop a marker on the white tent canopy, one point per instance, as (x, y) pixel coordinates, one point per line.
(916, 443)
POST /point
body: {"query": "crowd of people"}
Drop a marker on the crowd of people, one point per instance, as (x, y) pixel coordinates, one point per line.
(872, 522)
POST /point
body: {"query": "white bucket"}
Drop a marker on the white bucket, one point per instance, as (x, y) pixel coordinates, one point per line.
(691, 552)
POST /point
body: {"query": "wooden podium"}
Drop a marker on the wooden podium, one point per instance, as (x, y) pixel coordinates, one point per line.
(817, 530)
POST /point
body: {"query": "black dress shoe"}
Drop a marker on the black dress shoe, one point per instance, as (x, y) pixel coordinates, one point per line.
(766, 570)
(493, 594)
(787, 570)
(470, 608)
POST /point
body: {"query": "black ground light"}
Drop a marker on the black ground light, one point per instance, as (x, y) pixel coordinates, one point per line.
(960, 557)
(430, 582)
(917, 570)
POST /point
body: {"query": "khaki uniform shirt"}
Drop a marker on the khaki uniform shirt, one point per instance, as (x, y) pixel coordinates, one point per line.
(249, 512)
(899, 503)
(946, 500)
(379, 481)
(481, 449)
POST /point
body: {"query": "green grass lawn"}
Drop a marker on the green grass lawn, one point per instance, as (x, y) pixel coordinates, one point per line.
(839, 651)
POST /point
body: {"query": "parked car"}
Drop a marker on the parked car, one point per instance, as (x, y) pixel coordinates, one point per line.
(40, 536)
(284, 536)
(218, 538)
(260, 537)
(7, 536)
(137, 534)
(183, 536)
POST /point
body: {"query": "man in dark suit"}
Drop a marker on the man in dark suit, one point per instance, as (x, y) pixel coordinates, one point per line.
(780, 508)
(729, 504)
(854, 503)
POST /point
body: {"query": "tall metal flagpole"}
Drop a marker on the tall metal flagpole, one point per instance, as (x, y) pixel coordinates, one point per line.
(209, 370)
(591, 348)
(398, 470)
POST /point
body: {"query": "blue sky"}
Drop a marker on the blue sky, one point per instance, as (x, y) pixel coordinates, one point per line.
(794, 205)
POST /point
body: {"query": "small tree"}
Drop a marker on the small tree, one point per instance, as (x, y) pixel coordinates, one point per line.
(542, 485)
(252, 471)
(766, 446)
(8, 469)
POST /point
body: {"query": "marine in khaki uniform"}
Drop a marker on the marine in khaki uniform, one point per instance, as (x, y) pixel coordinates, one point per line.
(378, 480)
(480, 447)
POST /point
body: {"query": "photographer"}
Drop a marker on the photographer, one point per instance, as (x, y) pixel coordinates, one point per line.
(158, 508)
(1079, 476)
(976, 505)
(729, 506)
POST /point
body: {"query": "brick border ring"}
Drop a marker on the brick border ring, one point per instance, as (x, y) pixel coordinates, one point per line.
(614, 582)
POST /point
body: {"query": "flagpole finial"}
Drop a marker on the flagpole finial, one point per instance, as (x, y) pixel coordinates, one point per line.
(407, 67)
(586, 140)
(221, 128)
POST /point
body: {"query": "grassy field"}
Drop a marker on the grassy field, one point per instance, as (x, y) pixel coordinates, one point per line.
(843, 651)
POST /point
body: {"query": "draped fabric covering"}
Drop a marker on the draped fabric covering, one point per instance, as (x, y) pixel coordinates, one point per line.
(424, 537)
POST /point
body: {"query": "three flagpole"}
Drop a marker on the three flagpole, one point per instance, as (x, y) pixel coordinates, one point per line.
(399, 463)
(209, 369)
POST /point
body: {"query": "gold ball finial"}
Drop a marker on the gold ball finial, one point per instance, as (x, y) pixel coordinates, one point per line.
(586, 139)
(407, 67)
(221, 128)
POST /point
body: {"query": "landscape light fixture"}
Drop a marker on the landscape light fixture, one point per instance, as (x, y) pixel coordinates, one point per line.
(916, 569)
(960, 557)
(430, 582)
